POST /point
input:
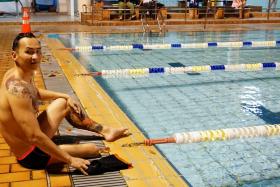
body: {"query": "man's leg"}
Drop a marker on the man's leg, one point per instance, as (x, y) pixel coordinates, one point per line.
(121, 7)
(49, 122)
(82, 121)
(88, 150)
(51, 118)
(131, 8)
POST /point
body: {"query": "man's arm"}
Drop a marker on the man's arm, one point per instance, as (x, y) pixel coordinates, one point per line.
(20, 101)
(49, 95)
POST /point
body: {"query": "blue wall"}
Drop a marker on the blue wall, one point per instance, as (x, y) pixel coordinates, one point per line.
(262, 3)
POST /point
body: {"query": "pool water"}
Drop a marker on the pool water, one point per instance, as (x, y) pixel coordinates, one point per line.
(163, 105)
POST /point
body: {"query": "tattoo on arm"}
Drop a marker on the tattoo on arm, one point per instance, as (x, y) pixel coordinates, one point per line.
(18, 88)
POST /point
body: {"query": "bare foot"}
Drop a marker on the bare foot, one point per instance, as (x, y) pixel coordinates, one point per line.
(111, 134)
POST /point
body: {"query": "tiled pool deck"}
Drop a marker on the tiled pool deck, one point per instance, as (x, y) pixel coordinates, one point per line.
(150, 168)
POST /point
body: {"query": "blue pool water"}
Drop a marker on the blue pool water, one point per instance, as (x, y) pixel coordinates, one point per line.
(163, 105)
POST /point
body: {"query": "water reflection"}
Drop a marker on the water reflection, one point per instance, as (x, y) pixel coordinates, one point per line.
(251, 104)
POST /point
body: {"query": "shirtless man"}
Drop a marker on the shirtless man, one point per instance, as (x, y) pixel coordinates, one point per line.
(29, 133)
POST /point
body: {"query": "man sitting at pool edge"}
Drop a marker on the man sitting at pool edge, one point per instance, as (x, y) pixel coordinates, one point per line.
(28, 132)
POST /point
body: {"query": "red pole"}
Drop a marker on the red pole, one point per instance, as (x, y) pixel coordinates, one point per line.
(150, 142)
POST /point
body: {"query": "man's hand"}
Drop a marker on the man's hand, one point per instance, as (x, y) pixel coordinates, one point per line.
(80, 164)
(75, 106)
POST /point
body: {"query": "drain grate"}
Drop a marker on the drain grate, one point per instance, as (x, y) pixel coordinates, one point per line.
(109, 179)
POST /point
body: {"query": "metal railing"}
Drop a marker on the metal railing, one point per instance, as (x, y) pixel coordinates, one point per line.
(206, 10)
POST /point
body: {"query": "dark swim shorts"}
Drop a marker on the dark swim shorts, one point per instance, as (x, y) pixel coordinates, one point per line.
(34, 158)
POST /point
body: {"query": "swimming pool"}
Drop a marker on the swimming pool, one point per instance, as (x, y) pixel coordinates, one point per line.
(162, 105)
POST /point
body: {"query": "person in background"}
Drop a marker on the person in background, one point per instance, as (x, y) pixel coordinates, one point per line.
(273, 5)
(149, 7)
(194, 3)
(238, 4)
(29, 132)
(123, 4)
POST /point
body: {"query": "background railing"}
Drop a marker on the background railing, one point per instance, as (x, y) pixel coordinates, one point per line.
(188, 10)
(174, 3)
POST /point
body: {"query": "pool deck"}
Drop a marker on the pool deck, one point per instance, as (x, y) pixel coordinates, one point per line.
(150, 168)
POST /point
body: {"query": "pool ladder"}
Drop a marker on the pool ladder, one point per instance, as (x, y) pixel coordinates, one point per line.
(159, 19)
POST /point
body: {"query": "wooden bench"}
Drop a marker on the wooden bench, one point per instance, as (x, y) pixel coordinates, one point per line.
(109, 12)
(101, 12)
(219, 12)
(195, 13)
(240, 13)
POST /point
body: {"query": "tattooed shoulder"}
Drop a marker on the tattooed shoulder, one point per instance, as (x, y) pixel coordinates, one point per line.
(18, 88)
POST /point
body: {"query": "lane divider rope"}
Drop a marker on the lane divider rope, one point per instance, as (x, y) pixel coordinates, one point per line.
(143, 72)
(213, 135)
(239, 44)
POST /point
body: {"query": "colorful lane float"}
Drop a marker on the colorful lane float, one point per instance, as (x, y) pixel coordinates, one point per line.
(213, 135)
(144, 72)
(239, 44)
